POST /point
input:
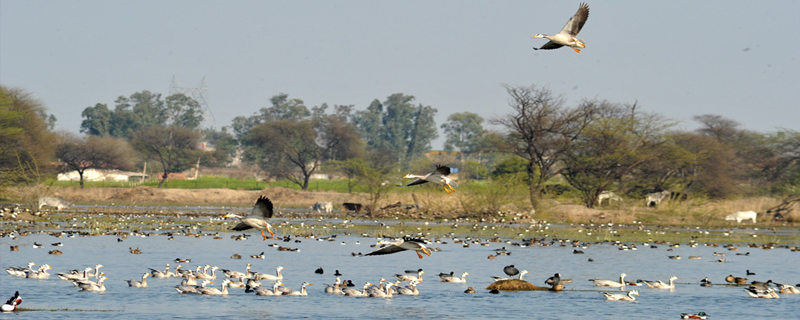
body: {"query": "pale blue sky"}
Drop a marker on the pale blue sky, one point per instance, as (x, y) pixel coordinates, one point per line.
(738, 59)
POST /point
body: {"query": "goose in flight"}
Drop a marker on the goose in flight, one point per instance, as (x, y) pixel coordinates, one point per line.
(567, 35)
(438, 176)
(406, 243)
(256, 219)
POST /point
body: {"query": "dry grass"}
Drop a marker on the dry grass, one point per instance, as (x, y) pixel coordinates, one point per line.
(436, 204)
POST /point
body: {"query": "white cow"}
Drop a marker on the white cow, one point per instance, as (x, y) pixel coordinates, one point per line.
(611, 196)
(656, 197)
(742, 215)
(59, 203)
(322, 206)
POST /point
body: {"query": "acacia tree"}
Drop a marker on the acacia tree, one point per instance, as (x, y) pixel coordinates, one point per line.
(92, 152)
(371, 171)
(174, 147)
(611, 146)
(26, 143)
(283, 147)
(540, 130)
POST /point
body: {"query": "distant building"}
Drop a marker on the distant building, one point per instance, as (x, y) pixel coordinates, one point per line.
(102, 175)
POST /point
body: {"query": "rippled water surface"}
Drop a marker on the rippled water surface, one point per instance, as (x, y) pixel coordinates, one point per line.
(53, 298)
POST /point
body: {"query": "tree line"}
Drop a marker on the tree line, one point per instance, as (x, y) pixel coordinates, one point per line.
(592, 146)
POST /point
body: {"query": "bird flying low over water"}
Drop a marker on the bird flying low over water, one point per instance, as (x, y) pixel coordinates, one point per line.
(256, 219)
(406, 243)
(438, 176)
(567, 35)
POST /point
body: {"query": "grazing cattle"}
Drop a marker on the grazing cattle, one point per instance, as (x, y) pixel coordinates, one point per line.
(58, 203)
(742, 215)
(349, 206)
(655, 198)
(607, 195)
(322, 206)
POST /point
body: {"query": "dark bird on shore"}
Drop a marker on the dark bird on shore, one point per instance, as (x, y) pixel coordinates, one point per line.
(319, 271)
(511, 271)
(554, 280)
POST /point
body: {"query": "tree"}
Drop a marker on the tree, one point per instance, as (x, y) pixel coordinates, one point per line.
(611, 146)
(224, 146)
(97, 120)
(26, 143)
(541, 130)
(397, 126)
(93, 152)
(282, 146)
(141, 110)
(464, 131)
(174, 147)
(183, 111)
(372, 171)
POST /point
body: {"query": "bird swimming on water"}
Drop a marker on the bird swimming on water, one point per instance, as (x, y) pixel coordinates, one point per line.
(567, 35)
(256, 219)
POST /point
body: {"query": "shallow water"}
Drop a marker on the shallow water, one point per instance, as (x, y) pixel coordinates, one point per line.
(53, 298)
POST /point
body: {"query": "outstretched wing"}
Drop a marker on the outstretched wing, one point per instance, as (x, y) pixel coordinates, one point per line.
(241, 226)
(550, 45)
(416, 182)
(263, 208)
(575, 24)
(385, 250)
(443, 170)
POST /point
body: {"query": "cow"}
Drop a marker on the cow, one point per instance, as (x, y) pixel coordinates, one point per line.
(742, 215)
(349, 206)
(58, 203)
(655, 198)
(322, 206)
(607, 195)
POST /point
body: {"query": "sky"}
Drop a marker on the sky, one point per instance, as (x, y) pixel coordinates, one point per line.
(737, 59)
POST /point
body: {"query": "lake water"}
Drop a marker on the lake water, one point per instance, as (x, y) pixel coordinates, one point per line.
(53, 298)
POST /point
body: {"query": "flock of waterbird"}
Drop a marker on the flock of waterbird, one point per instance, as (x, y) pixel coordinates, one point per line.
(197, 281)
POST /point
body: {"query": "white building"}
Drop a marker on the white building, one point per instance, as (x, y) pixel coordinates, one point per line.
(101, 175)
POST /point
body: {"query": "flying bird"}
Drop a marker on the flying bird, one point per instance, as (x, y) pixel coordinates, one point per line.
(406, 243)
(256, 219)
(438, 176)
(567, 35)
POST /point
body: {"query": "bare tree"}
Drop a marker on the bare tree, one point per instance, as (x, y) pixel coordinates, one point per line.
(94, 152)
(541, 130)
